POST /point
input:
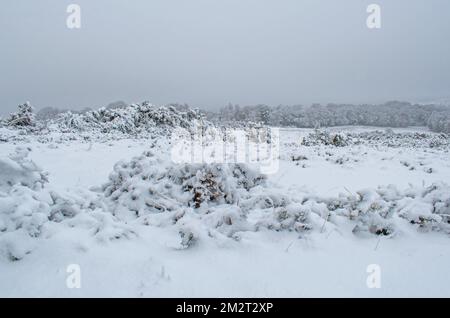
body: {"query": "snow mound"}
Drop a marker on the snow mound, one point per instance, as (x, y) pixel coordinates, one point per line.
(18, 170)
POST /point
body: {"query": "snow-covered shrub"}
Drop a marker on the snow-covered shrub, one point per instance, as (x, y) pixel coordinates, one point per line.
(131, 119)
(321, 137)
(152, 184)
(24, 117)
(378, 211)
(228, 198)
(429, 207)
(377, 138)
(402, 139)
(23, 208)
(27, 208)
(17, 169)
(200, 200)
(293, 216)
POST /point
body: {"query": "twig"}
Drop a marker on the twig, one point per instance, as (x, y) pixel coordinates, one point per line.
(324, 222)
(289, 246)
(378, 242)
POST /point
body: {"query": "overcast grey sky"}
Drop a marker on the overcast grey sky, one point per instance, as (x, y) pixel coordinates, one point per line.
(211, 52)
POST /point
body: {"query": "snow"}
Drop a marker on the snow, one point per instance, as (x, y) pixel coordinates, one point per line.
(262, 265)
(212, 230)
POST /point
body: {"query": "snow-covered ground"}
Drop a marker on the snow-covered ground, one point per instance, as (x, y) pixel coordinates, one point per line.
(143, 256)
(333, 170)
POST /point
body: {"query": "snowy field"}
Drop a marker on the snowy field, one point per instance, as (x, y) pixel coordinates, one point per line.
(303, 248)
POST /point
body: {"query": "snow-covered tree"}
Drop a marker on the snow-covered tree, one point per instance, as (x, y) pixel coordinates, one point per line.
(23, 117)
(440, 121)
(390, 114)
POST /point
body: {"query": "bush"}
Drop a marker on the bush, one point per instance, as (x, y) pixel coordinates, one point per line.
(321, 137)
(24, 117)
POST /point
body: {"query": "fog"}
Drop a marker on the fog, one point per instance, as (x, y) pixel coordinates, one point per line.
(209, 53)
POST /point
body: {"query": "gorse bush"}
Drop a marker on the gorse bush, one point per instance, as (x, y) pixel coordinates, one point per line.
(130, 119)
(24, 117)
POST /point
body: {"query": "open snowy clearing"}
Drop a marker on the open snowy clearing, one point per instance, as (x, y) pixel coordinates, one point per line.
(330, 260)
